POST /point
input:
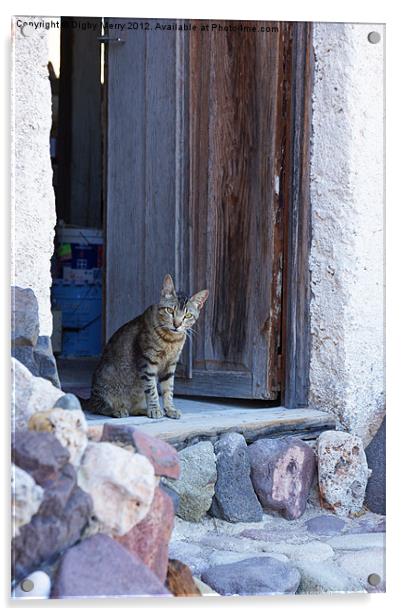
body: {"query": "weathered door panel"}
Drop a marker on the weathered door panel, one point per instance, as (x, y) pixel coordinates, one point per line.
(198, 148)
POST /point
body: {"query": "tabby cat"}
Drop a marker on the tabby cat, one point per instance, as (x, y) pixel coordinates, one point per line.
(141, 353)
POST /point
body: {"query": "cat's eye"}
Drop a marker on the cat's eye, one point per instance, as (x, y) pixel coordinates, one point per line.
(169, 310)
(188, 315)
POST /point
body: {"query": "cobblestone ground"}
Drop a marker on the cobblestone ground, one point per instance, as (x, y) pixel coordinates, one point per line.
(332, 553)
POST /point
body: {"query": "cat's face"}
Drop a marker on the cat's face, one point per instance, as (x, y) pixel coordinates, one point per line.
(176, 311)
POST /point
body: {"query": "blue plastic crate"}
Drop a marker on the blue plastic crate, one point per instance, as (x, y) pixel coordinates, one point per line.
(81, 308)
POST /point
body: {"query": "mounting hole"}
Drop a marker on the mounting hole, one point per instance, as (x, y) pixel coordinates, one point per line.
(374, 579)
(374, 37)
(27, 585)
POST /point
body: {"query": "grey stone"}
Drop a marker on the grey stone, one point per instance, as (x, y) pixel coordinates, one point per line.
(45, 361)
(24, 317)
(282, 472)
(221, 557)
(195, 556)
(369, 526)
(363, 563)
(342, 471)
(325, 577)
(295, 550)
(173, 495)
(69, 402)
(29, 394)
(196, 484)
(100, 567)
(376, 459)
(253, 576)
(234, 499)
(358, 541)
(325, 525)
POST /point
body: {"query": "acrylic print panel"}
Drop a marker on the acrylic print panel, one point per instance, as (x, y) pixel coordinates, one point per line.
(241, 157)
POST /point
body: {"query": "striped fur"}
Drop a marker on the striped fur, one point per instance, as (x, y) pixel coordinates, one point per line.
(142, 353)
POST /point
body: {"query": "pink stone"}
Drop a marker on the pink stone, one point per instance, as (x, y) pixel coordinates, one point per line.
(282, 472)
(149, 539)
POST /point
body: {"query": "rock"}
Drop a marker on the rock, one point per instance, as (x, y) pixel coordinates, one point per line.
(314, 550)
(377, 525)
(35, 586)
(69, 427)
(94, 433)
(45, 361)
(325, 525)
(163, 456)
(121, 485)
(199, 557)
(195, 556)
(342, 471)
(26, 497)
(197, 480)
(220, 557)
(375, 453)
(149, 539)
(282, 472)
(24, 317)
(358, 541)
(39, 359)
(180, 581)
(175, 498)
(40, 454)
(69, 402)
(253, 576)
(100, 567)
(58, 524)
(362, 564)
(234, 499)
(205, 590)
(29, 394)
(325, 577)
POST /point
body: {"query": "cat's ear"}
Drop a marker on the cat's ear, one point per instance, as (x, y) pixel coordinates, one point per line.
(168, 287)
(200, 298)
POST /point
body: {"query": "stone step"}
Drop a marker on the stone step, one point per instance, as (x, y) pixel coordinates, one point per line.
(207, 420)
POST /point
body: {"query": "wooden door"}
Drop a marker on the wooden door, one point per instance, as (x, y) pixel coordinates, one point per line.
(198, 159)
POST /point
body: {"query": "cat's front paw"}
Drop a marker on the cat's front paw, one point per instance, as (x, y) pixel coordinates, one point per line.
(155, 412)
(173, 412)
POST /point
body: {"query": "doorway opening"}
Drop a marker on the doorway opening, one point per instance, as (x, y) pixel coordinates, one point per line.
(185, 153)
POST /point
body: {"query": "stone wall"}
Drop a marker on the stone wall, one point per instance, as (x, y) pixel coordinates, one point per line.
(33, 203)
(347, 255)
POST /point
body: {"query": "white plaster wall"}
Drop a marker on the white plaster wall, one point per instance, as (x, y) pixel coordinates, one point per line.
(33, 214)
(347, 255)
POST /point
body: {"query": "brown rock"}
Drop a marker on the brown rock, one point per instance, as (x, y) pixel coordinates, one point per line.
(150, 538)
(282, 472)
(100, 567)
(163, 456)
(180, 580)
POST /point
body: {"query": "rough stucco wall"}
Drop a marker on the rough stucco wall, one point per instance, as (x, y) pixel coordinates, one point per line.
(347, 254)
(33, 205)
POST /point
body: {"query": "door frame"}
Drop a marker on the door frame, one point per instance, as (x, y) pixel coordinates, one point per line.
(296, 338)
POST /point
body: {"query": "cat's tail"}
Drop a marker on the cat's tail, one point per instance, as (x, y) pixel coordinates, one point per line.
(97, 406)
